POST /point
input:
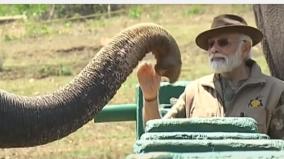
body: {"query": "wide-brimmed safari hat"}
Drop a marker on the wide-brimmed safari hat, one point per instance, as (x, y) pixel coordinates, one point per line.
(228, 23)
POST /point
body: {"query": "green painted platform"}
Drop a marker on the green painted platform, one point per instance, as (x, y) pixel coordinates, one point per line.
(228, 124)
(143, 146)
(211, 155)
(201, 136)
(229, 137)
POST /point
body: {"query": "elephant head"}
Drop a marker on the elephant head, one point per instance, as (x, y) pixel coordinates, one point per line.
(29, 121)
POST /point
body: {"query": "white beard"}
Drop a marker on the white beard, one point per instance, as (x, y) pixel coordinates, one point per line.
(220, 63)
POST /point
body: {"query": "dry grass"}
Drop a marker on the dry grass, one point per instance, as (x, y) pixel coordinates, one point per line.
(101, 140)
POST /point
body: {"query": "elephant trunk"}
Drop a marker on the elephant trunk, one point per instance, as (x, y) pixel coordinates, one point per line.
(31, 121)
(268, 19)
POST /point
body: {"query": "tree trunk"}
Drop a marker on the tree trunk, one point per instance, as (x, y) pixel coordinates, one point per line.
(270, 20)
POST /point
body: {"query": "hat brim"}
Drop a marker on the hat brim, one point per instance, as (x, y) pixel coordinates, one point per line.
(255, 34)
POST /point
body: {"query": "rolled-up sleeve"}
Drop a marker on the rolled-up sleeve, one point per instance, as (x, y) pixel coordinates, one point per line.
(178, 109)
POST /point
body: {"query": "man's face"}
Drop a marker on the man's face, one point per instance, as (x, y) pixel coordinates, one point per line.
(225, 52)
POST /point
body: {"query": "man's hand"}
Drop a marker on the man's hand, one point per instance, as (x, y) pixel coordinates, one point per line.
(149, 80)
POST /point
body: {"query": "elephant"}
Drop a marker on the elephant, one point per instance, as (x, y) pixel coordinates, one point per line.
(268, 20)
(30, 121)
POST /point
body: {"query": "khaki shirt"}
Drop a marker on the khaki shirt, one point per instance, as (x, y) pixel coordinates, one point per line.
(259, 97)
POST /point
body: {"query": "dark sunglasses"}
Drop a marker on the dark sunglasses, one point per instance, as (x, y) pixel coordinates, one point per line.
(222, 42)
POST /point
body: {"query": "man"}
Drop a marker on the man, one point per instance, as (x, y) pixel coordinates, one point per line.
(236, 89)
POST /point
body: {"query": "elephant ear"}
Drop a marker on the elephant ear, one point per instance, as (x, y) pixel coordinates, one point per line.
(269, 19)
(30, 121)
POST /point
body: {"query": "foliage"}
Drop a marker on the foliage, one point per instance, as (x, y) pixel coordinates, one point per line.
(135, 12)
(9, 37)
(37, 29)
(194, 10)
(66, 11)
(49, 11)
(49, 70)
(23, 9)
(34, 12)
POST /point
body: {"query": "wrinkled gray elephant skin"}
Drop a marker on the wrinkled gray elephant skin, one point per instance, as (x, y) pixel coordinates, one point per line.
(270, 20)
(29, 121)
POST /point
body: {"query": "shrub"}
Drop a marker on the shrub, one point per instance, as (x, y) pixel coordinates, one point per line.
(135, 12)
(194, 10)
(50, 70)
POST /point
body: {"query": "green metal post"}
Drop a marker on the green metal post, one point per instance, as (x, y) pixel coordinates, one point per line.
(166, 92)
(111, 113)
(139, 120)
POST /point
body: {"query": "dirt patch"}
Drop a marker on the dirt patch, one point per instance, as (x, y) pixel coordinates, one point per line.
(79, 49)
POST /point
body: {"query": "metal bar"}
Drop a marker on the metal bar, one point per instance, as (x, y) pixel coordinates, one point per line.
(119, 112)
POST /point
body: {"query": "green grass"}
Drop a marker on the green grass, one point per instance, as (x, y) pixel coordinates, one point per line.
(28, 47)
(20, 9)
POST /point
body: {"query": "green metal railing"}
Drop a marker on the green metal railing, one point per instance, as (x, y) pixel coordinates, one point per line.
(119, 112)
(133, 112)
